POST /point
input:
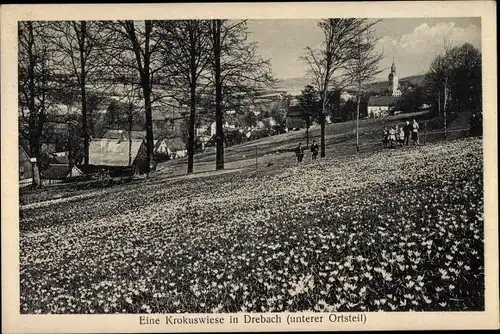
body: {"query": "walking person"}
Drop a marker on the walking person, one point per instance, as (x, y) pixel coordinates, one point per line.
(314, 150)
(407, 130)
(299, 152)
(414, 132)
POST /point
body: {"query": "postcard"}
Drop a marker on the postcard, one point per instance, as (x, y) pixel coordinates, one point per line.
(249, 167)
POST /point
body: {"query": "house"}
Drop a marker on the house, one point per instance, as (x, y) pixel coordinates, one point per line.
(295, 120)
(267, 122)
(380, 106)
(346, 96)
(57, 173)
(115, 153)
(59, 158)
(25, 167)
(172, 147)
(169, 121)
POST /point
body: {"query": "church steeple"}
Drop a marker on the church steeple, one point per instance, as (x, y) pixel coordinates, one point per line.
(393, 67)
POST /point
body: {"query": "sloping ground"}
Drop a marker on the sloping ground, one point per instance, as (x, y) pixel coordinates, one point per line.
(340, 140)
(394, 230)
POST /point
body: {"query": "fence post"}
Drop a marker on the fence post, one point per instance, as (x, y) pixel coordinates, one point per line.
(256, 163)
(425, 133)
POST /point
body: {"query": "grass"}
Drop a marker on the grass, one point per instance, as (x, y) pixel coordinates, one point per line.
(390, 230)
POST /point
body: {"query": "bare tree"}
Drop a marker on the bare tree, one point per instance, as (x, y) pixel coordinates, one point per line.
(81, 56)
(219, 117)
(238, 73)
(363, 66)
(34, 85)
(188, 42)
(137, 46)
(327, 63)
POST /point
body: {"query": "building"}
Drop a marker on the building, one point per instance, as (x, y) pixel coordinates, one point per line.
(394, 81)
(172, 147)
(57, 173)
(380, 106)
(295, 120)
(25, 167)
(114, 153)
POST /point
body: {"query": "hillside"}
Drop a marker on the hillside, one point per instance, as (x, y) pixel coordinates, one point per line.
(294, 86)
(277, 150)
(404, 227)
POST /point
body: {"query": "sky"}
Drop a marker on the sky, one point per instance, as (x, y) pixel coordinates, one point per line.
(411, 42)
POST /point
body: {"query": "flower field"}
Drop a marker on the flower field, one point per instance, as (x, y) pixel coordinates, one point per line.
(391, 231)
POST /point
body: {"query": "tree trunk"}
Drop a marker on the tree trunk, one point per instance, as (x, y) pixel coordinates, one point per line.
(149, 129)
(218, 98)
(130, 124)
(83, 36)
(192, 120)
(192, 102)
(322, 120)
(308, 125)
(357, 121)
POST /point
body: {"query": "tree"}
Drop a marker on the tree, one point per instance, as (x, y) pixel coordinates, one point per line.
(238, 74)
(411, 100)
(308, 106)
(138, 59)
(219, 118)
(79, 47)
(188, 41)
(363, 66)
(454, 78)
(327, 64)
(34, 85)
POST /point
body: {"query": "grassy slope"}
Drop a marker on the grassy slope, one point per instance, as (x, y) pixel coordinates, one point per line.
(192, 230)
(340, 140)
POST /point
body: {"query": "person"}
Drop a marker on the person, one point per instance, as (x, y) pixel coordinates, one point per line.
(397, 134)
(406, 130)
(385, 137)
(314, 150)
(402, 136)
(474, 125)
(414, 132)
(299, 152)
(392, 136)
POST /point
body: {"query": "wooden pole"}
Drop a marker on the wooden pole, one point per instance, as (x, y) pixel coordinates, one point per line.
(256, 162)
(425, 133)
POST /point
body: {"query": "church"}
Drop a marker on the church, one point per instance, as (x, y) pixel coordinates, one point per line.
(379, 106)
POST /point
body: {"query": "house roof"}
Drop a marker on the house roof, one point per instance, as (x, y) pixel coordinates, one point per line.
(124, 134)
(112, 152)
(23, 156)
(382, 101)
(57, 171)
(174, 144)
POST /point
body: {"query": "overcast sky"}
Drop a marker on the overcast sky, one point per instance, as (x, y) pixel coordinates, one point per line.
(412, 42)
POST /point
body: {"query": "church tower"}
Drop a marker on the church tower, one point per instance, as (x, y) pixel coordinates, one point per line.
(393, 81)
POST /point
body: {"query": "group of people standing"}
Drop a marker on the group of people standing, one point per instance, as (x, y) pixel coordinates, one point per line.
(401, 135)
(300, 151)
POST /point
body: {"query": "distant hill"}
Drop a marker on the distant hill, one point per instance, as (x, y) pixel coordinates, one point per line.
(294, 86)
(417, 80)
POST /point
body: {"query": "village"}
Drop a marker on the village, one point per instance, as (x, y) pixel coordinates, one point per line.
(251, 166)
(119, 141)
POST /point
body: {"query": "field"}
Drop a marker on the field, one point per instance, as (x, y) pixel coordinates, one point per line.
(390, 230)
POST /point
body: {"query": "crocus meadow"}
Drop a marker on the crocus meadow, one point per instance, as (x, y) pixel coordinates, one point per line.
(395, 230)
